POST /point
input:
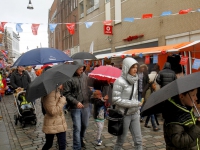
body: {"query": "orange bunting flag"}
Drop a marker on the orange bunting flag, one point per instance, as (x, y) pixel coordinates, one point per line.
(147, 60)
(107, 22)
(2, 24)
(185, 11)
(34, 28)
(184, 60)
(70, 27)
(145, 16)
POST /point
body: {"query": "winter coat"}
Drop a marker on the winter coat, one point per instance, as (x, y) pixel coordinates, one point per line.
(166, 75)
(181, 128)
(20, 80)
(76, 90)
(54, 119)
(122, 90)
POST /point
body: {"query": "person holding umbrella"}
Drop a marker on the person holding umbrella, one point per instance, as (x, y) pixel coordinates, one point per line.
(54, 119)
(123, 88)
(76, 91)
(181, 127)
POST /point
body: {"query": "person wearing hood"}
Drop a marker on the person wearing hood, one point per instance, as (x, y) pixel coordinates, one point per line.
(122, 89)
(77, 94)
(166, 75)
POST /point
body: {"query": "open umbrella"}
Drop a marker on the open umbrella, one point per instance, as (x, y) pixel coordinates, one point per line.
(49, 80)
(83, 55)
(178, 86)
(108, 73)
(41, 56)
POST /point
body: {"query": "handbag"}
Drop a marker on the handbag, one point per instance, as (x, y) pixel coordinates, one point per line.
(115, 120)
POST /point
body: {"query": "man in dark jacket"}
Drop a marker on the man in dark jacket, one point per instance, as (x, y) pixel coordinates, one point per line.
(76, 91)
(166, 75)
(20, 78)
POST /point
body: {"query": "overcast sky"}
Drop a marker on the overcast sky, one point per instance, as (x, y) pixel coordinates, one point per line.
(15, 11)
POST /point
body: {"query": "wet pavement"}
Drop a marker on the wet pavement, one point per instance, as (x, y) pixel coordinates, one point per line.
(14, 137)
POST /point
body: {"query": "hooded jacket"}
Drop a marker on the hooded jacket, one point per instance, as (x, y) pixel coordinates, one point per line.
(76, 89)
(166, 75)
(122, 90)
(181, 128)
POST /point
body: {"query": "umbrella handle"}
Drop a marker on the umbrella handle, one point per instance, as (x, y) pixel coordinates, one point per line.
(194, 105)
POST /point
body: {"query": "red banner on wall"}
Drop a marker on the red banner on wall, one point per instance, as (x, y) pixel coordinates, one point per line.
(184, 60)
(108, 29)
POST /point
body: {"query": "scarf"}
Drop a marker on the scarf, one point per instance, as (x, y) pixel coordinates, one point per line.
(132, 79)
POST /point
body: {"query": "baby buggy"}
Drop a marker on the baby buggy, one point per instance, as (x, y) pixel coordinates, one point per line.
(26, 110)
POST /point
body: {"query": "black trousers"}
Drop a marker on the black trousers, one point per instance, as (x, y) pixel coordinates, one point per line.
(61, 141)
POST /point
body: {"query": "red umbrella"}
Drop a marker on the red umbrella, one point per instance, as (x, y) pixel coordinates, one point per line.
(108, 73)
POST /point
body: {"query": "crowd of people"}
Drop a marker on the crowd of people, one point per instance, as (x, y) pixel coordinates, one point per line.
(127, 95)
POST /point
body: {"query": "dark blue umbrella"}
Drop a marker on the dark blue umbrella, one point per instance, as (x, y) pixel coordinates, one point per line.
(41, 56)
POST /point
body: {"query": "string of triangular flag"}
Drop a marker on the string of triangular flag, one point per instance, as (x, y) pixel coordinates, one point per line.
(71, 26)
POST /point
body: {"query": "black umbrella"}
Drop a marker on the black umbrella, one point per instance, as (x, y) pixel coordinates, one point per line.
(183, 84)
(49, 80)
(83, 55)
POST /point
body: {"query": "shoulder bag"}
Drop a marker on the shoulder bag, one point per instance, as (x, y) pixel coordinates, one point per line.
(115, 120)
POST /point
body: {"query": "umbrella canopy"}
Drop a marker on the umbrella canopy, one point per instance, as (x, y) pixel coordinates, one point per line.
(108, 73)
(178, 86)
(49, 80)
(83, 55)
(41, 56)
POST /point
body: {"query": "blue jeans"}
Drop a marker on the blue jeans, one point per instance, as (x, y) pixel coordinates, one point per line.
(61, 141)
(131, 123)
(152, 120)
(80, 118)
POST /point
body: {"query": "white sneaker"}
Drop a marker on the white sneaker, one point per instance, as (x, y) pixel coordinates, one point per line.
(99, 142)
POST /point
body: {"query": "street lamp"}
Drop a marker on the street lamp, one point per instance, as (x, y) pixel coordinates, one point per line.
(30, 6)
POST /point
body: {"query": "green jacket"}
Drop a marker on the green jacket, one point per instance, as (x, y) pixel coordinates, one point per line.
(181, 128)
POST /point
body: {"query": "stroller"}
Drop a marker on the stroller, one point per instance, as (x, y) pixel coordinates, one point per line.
(26, 111)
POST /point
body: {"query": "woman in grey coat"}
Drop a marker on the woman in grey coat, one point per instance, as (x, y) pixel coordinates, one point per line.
(122, 89)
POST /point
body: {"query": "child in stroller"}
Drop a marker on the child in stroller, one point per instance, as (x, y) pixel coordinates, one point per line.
(26, 110)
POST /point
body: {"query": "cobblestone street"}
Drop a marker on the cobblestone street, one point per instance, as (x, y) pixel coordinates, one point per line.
(31, 137)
